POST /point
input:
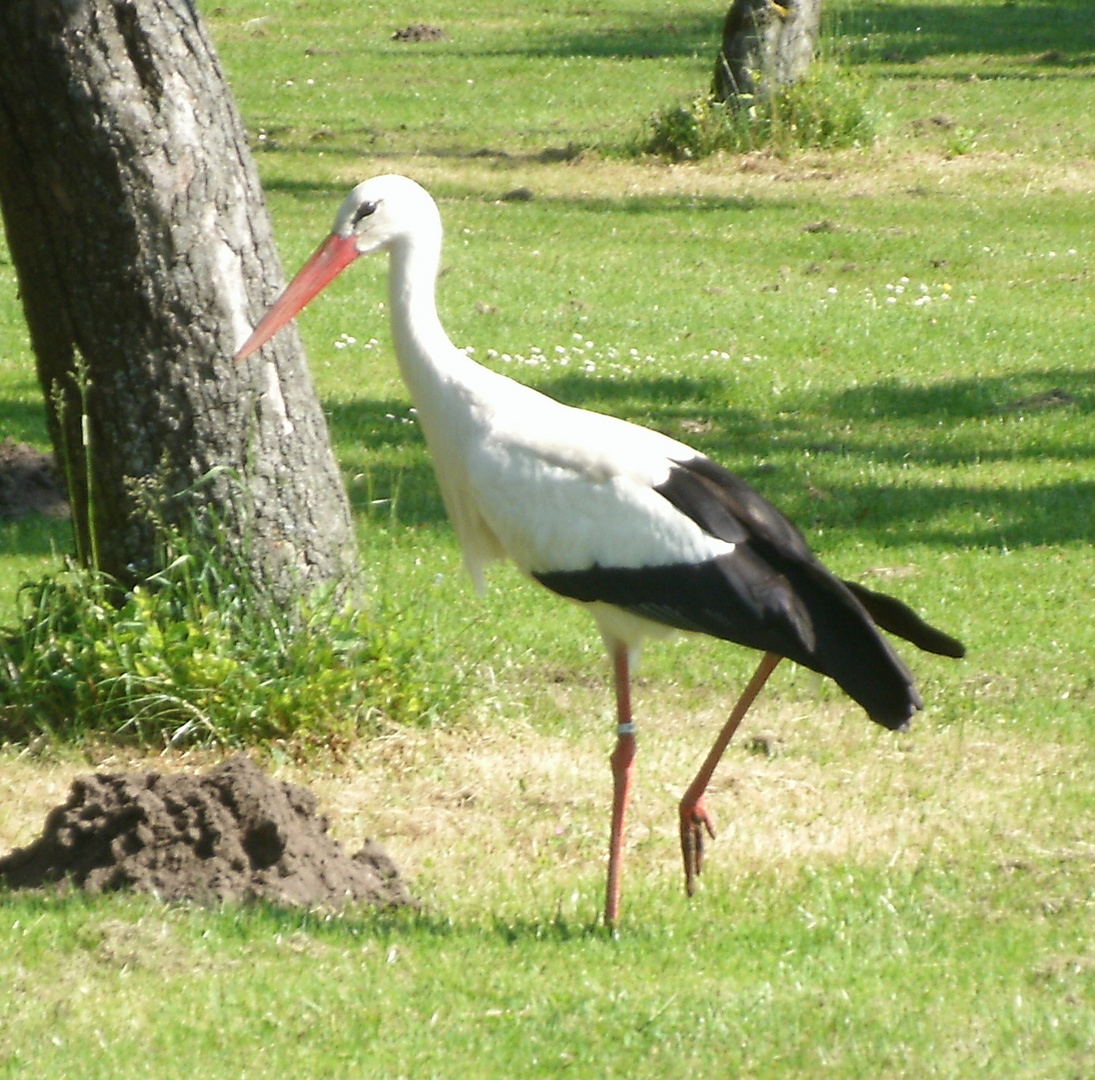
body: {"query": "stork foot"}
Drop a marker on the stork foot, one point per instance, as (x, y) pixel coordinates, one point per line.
(695, 821)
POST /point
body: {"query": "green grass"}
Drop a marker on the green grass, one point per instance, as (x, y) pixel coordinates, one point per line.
(848, 972)
(876, 906)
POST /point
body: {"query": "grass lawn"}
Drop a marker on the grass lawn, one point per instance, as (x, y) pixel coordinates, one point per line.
(893, 343)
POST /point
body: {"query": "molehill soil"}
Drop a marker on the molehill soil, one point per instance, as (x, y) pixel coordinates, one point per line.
(230, 834)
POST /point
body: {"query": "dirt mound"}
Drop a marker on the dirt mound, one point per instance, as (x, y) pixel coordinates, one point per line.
(29, 483)
(419, 32)
(230, 834)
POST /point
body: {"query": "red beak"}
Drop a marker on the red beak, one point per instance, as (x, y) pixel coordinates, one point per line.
(329, 260)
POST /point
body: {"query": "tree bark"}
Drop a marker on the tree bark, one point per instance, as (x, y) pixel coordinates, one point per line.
(765, 45)
(135, 220)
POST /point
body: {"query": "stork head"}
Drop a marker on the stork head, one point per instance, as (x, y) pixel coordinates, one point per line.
(378, 214)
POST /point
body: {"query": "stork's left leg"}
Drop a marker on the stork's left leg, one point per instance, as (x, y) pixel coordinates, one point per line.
(693, 814)
(622, 758)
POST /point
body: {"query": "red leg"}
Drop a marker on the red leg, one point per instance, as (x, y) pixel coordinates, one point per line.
(695, 819)
(621, 760)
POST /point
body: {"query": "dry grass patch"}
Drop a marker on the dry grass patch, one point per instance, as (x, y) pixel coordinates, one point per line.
(475, 816)
(852, 174)
(487, 818)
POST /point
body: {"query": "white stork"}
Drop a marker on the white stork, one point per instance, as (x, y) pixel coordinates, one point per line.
(647, 533)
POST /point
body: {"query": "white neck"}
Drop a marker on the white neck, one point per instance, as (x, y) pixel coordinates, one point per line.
(422, 347)
(446, 386)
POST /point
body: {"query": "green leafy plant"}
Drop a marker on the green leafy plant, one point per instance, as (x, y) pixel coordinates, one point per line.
(826, 111)
(195, 652)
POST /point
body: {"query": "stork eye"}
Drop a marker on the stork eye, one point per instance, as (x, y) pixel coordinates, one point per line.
(365, 210)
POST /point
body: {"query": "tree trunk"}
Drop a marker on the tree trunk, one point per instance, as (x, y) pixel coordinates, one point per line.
(765, 45)
(135, 220)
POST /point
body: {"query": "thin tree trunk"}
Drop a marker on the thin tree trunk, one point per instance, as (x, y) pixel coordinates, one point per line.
(765, 45)
(135, 221)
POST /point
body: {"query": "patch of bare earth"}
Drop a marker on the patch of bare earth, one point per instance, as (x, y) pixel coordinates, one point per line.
(510, 818)
(29, 483)
(419, 32)
(840, 174)
(229, 834)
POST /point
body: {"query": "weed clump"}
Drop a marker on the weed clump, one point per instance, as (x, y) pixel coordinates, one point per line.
(197, 653)
(826, 111)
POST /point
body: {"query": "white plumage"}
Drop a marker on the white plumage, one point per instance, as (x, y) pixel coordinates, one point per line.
(640, 528)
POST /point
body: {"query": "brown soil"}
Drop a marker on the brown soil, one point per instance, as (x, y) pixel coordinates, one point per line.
(231, 834)
(29, 483)
(419, 32)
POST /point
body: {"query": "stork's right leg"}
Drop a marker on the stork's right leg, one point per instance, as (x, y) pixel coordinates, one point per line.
(622, 758)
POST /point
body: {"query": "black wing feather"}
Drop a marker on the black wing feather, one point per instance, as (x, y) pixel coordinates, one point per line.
(900, 619)
(770, 593)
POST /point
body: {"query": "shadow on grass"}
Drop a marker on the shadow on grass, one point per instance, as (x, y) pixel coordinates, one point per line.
(248, 921)
(23, 421)
(769, 451)
(668, 204)
(903, 33)
(637, 35)
(389, 475)
(384, 925)
(1025, 392)
(37, 536)
(1061, 33)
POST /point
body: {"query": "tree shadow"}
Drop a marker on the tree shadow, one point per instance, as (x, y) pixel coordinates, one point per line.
(634, 35)
(21, 420)
(389, 475)
(671, 203)
(768, 451)
(1020, 393)
(1061, 33)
